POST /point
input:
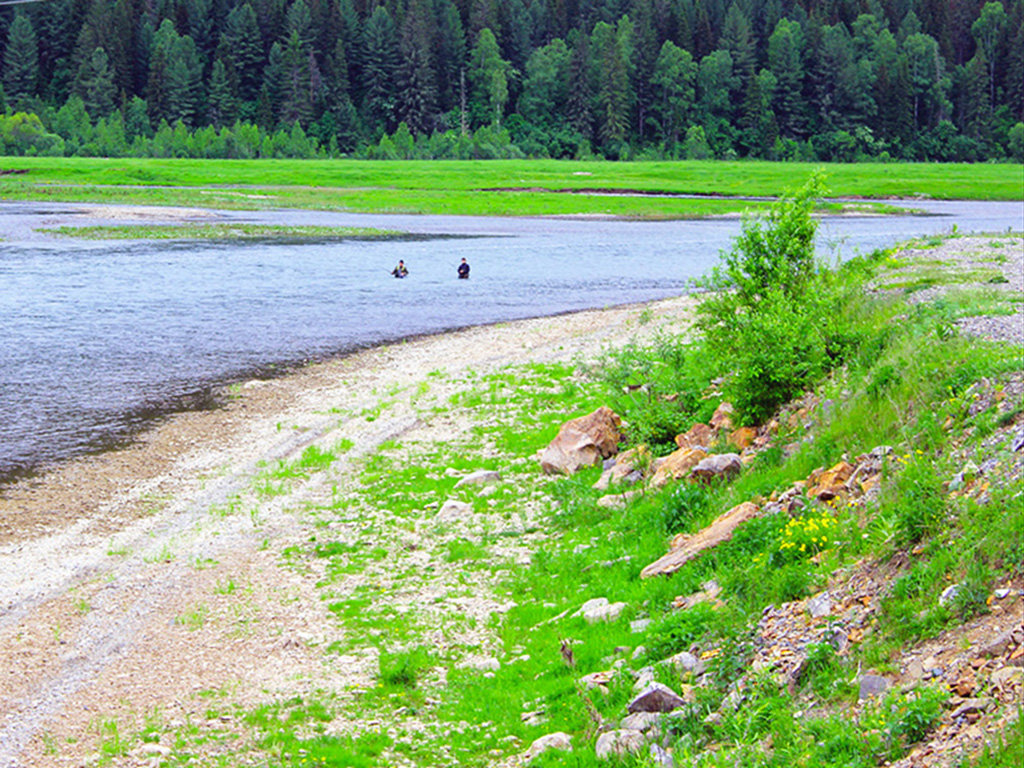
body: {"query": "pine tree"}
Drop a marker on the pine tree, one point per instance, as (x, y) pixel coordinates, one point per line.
(241, 48)
(673, 80)
(988, 32)
(223, 108)
(416, 84)
(96, 84)
(21, 60)
(578, 107)
(784, 61)
(380, 59)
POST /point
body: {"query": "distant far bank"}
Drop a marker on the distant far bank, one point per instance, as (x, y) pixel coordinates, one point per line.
(642, 190)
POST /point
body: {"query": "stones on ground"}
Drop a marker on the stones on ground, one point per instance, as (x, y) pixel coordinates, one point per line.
(719, 466)
(831, 483)
(553, 741)
(479, 663)
(656, 697)
(480, 477)
(660, 758)
(618, 500)
(721, 530)
(619, 744)
(742, 438)
(708, 594)
(639, 625)
(599, 609)
(453, 510)
(871, 686)
(597, 680)
(684, 662)
(583, 442)
(677, 465)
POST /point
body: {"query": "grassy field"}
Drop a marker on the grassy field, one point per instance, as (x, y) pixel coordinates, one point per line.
(504, 188)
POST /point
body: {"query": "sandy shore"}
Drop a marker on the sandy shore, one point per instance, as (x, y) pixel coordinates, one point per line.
(108, 563)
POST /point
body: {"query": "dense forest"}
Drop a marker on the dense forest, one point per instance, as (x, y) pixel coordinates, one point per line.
(779, 79)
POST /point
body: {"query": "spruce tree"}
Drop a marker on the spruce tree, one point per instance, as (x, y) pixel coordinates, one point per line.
(21, 60)
(415, 80)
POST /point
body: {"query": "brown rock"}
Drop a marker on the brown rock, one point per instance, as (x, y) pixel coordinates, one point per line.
(677, 465)
(719, 531)
(830, 484)
(583, 442)
(722, 417)
(721, 465)
(634, 459)
(742, 438)
(698, 436)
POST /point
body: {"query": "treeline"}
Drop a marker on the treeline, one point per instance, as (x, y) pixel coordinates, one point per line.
(779, 79)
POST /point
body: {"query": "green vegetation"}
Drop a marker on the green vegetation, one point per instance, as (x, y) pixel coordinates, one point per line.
(503, 188)
(223, 232)
(889, 378)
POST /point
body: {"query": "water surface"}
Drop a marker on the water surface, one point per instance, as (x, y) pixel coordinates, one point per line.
(97, 337)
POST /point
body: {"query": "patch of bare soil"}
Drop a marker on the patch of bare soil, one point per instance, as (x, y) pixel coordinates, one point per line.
(139, 585)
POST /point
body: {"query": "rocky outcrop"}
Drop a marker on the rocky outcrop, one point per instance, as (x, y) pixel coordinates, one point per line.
(583, 442)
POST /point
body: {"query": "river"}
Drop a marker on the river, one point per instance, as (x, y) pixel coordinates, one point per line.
(98, 338)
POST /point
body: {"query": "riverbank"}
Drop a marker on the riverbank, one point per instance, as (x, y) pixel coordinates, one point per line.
(147, 579)
(296, 577)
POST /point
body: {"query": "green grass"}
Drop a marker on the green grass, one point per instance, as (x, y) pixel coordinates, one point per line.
(223, 232)
(503, 188)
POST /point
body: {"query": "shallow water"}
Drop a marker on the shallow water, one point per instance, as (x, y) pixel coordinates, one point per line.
(97, 338)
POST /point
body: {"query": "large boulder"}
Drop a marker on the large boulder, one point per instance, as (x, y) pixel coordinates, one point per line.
(656, 697)
(583, 442)
(558, 741)
(722, 417)
(830, 483)
(677, 465)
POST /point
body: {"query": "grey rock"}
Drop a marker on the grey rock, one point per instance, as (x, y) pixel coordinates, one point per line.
(639, 625)
(685, 661)
(660, 758)
(967, 706)
(880, 451)
(453, 510)
(619, 744)
(599, 609)
(640, 721)
(950, 593)
(558, 740)
(480, 477)
(605, 480)
(721, 465)
(715, 718)
(871, 686)
(820, 605)
(656, 697)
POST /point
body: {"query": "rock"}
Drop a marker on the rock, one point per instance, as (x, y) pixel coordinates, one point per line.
(949, 594)
(722, 417)
(604, 482)
(644, 677)
(619, 744)
(819, 605)
(640, 721)
(830, 483)
(599, 609)
(656, 697)
(453, 510)
(560, 741)
(970, 706)
(636, 459)
(685, 661)
(721, 465)
(871, 686)
(479, 663)
(1007, 677)
(1000, 645)
(719, 531)
(713, 719)
(1001, 594)
(677, 465)
(660, 758)
(698, 436)
(639, 625)
(742, 438)
(480, 477)
(596, 679)
(880, 452)
(583, 442)
(618, 500)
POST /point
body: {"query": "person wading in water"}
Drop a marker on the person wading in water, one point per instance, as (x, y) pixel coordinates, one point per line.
(463, 270)
(400, 270)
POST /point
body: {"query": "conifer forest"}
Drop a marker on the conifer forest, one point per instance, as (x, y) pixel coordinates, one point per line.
(830, 80)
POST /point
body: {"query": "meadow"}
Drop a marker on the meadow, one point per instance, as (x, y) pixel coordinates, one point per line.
(649, 190)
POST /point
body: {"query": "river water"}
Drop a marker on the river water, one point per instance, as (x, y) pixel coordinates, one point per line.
(97, 338)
